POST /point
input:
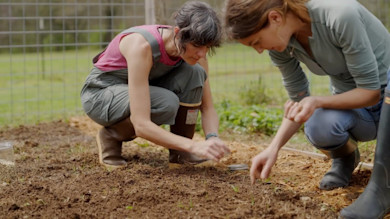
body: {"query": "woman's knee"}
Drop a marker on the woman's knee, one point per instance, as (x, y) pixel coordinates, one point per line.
(170, 107)
(327, 128)
(191, 81)
(164, 108)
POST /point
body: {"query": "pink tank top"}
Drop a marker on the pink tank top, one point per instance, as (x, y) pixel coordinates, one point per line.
(111, 58)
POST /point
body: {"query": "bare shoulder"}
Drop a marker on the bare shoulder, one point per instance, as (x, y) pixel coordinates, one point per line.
(134, 43)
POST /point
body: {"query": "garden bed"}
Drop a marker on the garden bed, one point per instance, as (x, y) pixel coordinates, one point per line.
(57, 175)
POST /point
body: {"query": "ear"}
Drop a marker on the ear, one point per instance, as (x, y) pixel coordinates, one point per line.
(176, 29)
(275, 17)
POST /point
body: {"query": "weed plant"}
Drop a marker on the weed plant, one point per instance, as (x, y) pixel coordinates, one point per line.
(254, 93)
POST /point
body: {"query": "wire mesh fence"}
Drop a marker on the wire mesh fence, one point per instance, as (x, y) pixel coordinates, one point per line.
(46, 49)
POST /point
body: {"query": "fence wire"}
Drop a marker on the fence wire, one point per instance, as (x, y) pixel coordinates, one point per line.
(46, 49)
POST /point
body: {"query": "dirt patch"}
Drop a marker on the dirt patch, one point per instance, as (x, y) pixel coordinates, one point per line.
(57, 174)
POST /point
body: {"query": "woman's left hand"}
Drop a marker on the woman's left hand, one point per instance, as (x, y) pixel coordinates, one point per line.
(301, 111)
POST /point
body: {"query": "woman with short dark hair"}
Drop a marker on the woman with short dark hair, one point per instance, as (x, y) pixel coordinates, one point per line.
(152, 75)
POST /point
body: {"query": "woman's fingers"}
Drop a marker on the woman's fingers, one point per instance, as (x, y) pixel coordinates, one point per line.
(298, 113)
(266, 171)
(255, 172)
(302, 115)
(222, 146)
(215, 149)
(293, 110)
(287, 107)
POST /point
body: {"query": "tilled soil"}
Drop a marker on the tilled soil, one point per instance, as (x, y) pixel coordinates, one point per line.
(57, 175)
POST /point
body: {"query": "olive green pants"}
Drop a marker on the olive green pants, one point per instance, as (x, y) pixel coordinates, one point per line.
(105, 97)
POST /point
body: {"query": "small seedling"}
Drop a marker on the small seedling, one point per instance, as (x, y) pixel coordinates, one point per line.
(142, 144)
(75, 169)
(191, 205)
(129, 207)
(182, 206)
(266, 181)
(67, 199)
(235, 188)
(41, 202)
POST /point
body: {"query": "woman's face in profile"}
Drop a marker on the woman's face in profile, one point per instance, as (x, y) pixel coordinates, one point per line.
(274, 36)
(193, 53)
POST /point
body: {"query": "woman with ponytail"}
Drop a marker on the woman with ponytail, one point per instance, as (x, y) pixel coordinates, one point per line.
(338, 39)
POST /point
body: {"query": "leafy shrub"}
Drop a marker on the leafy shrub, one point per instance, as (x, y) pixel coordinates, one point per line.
(254, 118)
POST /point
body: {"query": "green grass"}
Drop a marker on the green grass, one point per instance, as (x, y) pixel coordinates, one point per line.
(37, 87)
(234, 66)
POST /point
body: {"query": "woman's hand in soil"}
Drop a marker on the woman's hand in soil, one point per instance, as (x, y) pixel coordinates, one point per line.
(213, 148)
(262, 164)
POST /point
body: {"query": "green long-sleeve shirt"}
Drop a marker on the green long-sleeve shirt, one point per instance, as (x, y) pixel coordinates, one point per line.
(348, 43)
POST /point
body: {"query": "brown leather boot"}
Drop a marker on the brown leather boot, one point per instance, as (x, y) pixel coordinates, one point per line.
(185, 123)
(109, 141)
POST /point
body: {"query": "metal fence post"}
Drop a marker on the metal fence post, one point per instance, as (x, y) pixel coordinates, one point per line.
(149, 12)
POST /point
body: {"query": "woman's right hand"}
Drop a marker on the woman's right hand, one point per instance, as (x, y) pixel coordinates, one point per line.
(213, 149)
(262, 164)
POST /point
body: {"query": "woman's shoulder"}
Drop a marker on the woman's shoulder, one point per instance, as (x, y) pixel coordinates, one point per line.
(153, 28)
(331, 10)
(334, 15)
(332, 4)
(142, 34)
(135, 41)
